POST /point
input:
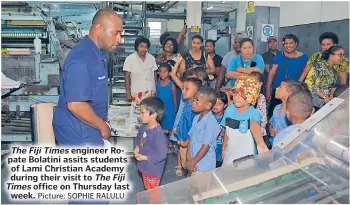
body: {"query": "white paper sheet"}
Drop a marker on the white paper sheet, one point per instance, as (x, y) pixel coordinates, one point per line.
(7, 83)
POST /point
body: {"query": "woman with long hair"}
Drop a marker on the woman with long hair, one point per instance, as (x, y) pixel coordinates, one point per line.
(196, 57)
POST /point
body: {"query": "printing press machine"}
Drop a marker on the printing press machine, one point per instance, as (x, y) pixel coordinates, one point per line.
(30, 72)
(33, 77)
(311, 165)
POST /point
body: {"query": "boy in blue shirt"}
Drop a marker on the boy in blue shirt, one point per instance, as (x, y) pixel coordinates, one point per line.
(299, 109)
(279, 119)
(201, 154)
(201, 74)
(190, 87)
(219, 110)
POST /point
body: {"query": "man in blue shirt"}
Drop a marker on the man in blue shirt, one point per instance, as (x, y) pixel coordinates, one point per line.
(81, 114)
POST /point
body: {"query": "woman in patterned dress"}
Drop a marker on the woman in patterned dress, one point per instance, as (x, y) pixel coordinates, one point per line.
(322, 76)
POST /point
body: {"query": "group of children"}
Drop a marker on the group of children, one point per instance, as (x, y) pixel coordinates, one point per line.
(212, 128)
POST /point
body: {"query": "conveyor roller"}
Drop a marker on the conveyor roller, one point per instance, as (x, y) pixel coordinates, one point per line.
(22, 35)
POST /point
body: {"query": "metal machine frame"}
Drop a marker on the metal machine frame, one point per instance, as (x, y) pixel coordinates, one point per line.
(41, 84)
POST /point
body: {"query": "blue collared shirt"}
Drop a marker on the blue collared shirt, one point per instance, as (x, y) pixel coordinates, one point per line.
(185, 122)
(84, 79)
(173, 137)
(278, 121)
(204, 132)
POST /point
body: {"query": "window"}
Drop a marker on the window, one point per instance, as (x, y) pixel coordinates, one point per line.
(155, 31)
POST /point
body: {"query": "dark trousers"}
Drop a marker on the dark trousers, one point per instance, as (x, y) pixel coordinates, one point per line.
(273, 103)
(316, 108)
(264, 87)
(218, 164)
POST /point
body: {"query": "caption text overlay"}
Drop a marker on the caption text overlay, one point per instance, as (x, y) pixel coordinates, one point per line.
(47, 173)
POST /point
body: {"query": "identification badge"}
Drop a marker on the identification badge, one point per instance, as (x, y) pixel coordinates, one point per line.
(143, 139)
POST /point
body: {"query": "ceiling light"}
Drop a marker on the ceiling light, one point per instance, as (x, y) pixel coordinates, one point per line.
(211, 7)
(163, 7)
(223, 2)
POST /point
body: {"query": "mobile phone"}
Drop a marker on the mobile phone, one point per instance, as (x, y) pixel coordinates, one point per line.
(252, 64)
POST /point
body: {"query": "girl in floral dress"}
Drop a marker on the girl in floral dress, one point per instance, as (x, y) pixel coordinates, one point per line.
(261, 106)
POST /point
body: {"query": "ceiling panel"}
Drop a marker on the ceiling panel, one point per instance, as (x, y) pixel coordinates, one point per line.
(217, 6)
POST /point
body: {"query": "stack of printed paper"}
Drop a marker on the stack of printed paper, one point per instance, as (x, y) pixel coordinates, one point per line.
(124, 120)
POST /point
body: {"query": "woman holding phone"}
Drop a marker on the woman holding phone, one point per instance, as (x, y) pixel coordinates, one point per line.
(245, 63)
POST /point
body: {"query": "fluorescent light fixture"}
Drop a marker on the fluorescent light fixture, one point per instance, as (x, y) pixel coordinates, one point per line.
(223, 2)
(210, 7)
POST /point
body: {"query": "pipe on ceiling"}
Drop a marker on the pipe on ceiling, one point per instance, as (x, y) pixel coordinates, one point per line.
(170, 6)
(144, 16)
(164, 4)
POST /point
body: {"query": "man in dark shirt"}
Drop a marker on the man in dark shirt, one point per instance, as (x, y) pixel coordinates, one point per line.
(268, 56)
(210, 49)
(80, 116)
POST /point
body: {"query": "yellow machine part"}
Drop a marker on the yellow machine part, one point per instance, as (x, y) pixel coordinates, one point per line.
(25, 23)
(4, 51)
